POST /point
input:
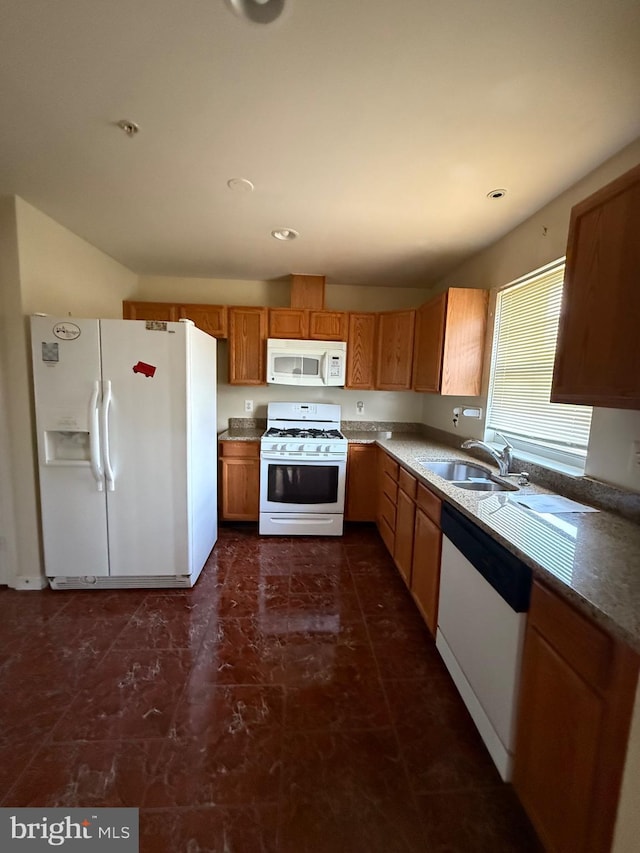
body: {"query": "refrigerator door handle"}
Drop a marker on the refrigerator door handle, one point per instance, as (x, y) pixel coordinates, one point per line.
(106, 455)
(94, 438)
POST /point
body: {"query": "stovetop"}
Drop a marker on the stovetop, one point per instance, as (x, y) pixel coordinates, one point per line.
(302, 432)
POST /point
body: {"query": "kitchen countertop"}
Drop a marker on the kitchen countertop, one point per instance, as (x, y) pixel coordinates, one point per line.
(591, 558)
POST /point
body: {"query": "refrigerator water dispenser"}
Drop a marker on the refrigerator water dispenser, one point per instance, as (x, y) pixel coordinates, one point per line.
(66, 447)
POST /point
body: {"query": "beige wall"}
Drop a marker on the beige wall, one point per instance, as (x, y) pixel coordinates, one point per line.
(378, 405)
(525, 249)
(43, 267)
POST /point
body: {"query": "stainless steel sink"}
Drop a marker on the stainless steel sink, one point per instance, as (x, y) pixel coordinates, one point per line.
(454, 470)
(466, 475)
(485, 486)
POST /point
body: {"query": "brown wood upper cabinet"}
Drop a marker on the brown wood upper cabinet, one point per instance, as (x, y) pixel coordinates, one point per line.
(328, 325)
(449, 342)
(212, 319)
(288, 323)
(598, 351)
(395, 350)
(247, 345)
(361, 351)
(164, 311)
(576, 699)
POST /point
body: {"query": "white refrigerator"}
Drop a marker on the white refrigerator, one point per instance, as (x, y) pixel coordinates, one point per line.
(126, 432)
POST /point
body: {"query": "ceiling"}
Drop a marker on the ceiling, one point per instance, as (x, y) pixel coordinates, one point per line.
(375, 129)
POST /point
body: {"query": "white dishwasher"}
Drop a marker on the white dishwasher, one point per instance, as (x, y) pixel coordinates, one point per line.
(484, 596)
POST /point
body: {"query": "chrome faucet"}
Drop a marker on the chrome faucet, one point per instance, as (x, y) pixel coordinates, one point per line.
(502, 457)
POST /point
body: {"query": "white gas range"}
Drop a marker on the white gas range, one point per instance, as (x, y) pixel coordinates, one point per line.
(303, 464)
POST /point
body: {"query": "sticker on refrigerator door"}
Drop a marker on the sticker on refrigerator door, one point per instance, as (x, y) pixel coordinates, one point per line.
(66, 331)
(50, 351)
(156, 326)
(147, 370)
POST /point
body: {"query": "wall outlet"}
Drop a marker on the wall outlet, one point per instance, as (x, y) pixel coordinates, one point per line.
(635, 456)
(248, 405)
(360, 407)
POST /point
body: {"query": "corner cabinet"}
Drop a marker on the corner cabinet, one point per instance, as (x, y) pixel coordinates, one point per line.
(576, 700)
(247, 346)
(360, 500)
(239, 480)
(395, 350)
(449, 342)
(598, 352)
(164, 311)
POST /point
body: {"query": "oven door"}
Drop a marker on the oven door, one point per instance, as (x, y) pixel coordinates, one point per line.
(290, 484)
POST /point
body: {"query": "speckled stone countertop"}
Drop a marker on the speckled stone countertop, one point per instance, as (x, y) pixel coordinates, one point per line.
(591, 558)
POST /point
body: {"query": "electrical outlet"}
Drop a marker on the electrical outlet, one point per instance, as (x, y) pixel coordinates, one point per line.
(248, 405)
(635, 456)
(360, 407)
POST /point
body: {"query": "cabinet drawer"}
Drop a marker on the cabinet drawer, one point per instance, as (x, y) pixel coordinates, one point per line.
(587, 649)
(388, 511)
(240, 448)
(390, 466)
(390, 488)
(407, 483)
(429, 503)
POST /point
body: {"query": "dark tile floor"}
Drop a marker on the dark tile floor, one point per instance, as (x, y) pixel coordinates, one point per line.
(291, 702)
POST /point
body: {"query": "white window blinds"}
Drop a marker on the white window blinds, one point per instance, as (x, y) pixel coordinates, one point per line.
(527, 315)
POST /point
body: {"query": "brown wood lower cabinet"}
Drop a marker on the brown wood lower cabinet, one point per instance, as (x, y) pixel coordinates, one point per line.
(409, 524)
(361, 497)
(405, 521)
(239, 480)
(576, 701)
(427, 545)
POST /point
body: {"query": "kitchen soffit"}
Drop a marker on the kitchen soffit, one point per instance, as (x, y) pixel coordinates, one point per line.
(375, 130)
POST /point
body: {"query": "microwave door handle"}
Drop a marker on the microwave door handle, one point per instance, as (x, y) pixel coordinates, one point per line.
(325, 368)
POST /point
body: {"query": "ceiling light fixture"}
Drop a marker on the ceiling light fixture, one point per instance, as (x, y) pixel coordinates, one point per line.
(497, 194)
(240, 185)
(258, 11)
(285, 234)
(129, 127)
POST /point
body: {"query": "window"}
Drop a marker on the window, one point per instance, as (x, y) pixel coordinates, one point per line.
(524, 345)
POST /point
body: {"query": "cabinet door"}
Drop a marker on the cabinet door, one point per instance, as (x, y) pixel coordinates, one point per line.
(395, 350)
(425, 574)
(449, 342)
(288, 323)
(361, 352)
(247, 336)
(212, 319)
(163, 311)
(360, 501)
(239, 480)
(598, 351)
(328, 325)
(576, 700)
(429, 344)
(403, 544)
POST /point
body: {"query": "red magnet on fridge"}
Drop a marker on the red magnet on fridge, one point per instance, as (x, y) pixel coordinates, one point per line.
(143, 367)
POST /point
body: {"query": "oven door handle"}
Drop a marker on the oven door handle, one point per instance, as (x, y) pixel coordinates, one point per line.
(287, 457)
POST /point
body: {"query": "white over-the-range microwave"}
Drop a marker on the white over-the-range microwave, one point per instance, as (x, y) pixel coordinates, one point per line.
(306, 362)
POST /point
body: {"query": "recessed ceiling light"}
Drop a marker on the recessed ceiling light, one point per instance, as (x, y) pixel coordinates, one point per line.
(258, 11)
(240, 185)
(285, 234)
(497, 194)
(129, 127)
